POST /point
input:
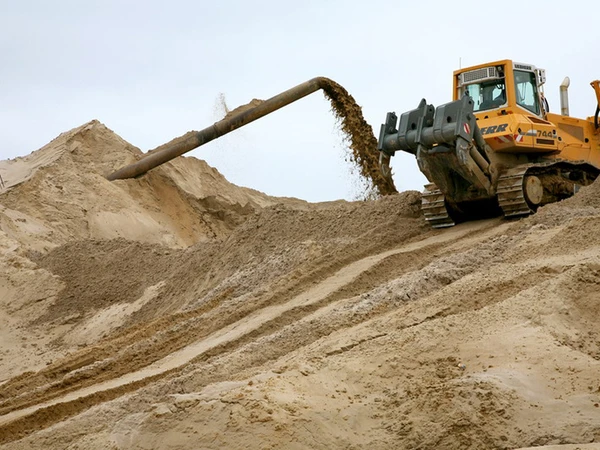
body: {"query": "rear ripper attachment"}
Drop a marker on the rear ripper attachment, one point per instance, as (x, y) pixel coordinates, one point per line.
(453, 155)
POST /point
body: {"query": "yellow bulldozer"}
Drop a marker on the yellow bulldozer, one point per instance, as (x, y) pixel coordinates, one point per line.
(496, 148)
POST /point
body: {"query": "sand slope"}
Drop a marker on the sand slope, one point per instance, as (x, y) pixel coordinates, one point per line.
(180, 311)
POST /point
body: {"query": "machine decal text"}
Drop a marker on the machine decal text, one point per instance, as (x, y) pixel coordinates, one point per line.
(494, 129)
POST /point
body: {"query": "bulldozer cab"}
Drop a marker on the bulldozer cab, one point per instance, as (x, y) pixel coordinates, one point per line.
(501, 85)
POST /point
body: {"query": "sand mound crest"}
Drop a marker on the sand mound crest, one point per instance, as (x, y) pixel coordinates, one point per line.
(59, 193)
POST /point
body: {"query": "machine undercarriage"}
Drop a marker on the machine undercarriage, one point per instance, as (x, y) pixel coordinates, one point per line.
(520, 191)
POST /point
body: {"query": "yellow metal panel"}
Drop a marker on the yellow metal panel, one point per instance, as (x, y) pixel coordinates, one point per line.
(514, 130)
(577, 139)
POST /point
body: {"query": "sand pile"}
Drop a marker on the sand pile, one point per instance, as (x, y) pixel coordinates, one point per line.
(58, 195)
(274, 323)
(66, 195)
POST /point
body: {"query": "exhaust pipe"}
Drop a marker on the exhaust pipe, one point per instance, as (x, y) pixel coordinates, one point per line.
(564, 96)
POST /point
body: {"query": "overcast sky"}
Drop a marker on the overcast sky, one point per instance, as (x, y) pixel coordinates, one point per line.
(151, 71)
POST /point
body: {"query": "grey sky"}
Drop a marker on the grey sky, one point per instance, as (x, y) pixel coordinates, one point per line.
(153, 70)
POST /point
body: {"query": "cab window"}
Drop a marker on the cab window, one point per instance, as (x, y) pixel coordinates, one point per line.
(486, 95)
(526, 91)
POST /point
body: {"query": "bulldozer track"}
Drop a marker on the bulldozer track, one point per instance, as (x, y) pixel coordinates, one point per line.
(510, 190)
(434, 207)
(511, 197)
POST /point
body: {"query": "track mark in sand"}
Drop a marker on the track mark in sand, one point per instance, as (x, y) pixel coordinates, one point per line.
(237, 329)
(593, 446)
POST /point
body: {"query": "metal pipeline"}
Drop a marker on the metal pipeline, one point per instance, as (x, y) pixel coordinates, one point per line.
(195, 139)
